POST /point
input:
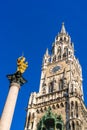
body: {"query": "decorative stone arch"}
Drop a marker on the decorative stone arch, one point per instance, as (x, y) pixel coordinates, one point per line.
(50, 121)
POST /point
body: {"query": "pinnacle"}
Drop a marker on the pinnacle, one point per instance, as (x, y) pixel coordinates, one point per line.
(47, 51)
(63, 30)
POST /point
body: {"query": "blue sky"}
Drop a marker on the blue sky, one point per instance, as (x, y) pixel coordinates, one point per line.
(30, 27)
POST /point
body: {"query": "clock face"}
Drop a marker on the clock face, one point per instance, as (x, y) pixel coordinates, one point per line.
(55, 69)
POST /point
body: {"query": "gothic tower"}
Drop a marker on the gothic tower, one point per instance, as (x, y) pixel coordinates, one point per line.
(59, 104)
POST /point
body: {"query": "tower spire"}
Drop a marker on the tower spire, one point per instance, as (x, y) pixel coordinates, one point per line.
(63, 30)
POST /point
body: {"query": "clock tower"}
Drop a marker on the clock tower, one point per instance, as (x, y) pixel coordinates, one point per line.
(59, 104)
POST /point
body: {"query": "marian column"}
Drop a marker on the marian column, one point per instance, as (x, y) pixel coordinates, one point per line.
(16, 81)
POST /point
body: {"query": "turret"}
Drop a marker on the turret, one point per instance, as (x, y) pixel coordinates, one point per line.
(46, 59)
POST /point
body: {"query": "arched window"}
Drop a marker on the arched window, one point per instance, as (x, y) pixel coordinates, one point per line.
(53, 106)
(65, 54)
(76, 108)
(57, 106)
(61, 84)
(73, 125)
(61, 39)
(72, 89)
(51, 87)
(62, 105)
(59, 53)
(45, 108)
(72, 105)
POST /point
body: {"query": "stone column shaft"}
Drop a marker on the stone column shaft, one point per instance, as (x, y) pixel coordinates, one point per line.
(9, 107)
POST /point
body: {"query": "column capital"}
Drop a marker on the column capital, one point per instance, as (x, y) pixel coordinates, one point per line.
(15, 84)
(16, 78)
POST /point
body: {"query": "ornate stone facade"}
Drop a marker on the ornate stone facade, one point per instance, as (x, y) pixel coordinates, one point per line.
(60, 90)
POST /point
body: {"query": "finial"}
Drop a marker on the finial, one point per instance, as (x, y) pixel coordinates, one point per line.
(47, 52)
(63, 30)
(21, 64)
